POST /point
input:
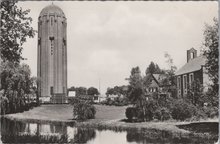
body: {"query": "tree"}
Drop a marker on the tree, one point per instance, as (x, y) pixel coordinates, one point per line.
(117, 90)
(34, 82)
(15, 28)
(110, 91)
(135, 85)
(195, 93)
(136, 91)
(92, 91)
(170, 80)
(83, 108)
(17, 85)
(153, 69)
(80, 91)
(211, 52)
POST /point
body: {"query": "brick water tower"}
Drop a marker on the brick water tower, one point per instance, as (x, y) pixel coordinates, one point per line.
(52, 54)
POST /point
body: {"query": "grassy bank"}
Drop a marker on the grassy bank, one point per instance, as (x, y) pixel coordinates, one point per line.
(107, 117)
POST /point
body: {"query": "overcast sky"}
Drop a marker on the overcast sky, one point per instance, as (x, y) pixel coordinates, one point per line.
(106, 39)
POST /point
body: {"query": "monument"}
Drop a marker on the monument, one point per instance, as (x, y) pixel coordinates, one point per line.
(52, 54)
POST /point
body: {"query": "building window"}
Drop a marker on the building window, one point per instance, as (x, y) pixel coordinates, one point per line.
(51, 90)
(185, 84)
(39, 41)
(191, 78)
(51, 45)
(179, 82)
(192, 55)
(64, 45)
(51, 20)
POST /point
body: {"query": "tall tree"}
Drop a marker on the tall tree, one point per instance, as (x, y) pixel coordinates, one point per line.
(81, 91)
(136, 90)
(172, 69)
(153, 69)
(211, 52)
(15, 28)
(92, 91)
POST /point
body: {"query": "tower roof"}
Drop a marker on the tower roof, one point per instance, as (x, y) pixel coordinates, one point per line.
(52, 9)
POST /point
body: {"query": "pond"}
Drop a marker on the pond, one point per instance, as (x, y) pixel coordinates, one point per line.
(27, 132)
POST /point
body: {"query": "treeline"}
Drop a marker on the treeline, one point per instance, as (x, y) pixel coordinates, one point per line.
(84, 91)
(17, 85)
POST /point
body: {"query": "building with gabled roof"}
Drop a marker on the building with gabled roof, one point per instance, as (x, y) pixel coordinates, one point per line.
(193, 70)
(156, 83)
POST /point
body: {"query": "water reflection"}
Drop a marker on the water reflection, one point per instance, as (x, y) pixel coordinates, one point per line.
(25, 132)
(20, 132)
(161, 136)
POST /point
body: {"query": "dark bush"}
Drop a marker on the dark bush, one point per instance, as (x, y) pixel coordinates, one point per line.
(157, 114)
(162, 114)
(211, 112)
(83, 109)
(130, 113)
(165, 114)
(182, 110)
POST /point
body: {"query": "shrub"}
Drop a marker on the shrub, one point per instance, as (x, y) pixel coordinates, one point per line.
(130, 113)
(83, 109)
(211, 112)
(182, 110)
(149, 114)
(157, 114)
(162, 114)
(165, 114)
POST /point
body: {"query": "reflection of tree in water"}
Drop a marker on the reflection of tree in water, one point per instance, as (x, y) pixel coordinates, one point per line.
(11, 127)
(148, 136)
(13, 132)
(161, 136)
(83, 135)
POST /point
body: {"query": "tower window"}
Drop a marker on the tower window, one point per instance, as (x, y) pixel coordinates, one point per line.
(51, 20)
(64, 44)
(64, 41)
(51, 45)
(39, 41)
(192, 55)
(51, 90)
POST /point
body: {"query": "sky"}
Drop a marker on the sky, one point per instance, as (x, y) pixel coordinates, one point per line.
(106, 39)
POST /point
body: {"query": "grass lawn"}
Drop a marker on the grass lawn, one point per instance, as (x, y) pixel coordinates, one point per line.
(107, 117)
(65, 113)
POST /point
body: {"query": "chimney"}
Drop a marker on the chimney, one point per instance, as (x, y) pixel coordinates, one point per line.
(191, 54)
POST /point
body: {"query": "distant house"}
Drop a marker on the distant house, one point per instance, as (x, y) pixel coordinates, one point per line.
(71, 93)
(193, 70)
(157, 83)
(99, 98)
(113, 96)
